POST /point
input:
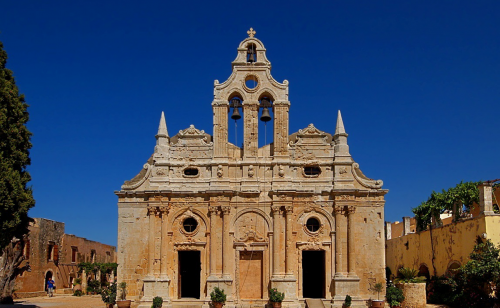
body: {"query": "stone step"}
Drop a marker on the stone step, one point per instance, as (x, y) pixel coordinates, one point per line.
(314, 303)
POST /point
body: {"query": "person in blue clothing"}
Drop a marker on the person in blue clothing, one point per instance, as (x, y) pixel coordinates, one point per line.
(50, 287)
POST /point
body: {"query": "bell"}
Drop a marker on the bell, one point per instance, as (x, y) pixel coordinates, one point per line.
(251, 54)
(265, 117)
(251, 58)
(236, 114)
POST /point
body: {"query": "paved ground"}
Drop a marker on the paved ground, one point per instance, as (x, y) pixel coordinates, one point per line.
(60, 301)
(68, 301)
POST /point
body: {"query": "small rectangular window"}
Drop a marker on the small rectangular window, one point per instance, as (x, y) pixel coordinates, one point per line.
(74, 251)
(26, 251)
(50, 251)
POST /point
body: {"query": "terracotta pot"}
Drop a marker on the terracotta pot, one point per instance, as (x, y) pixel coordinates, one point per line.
(124, 303)
(276, 304)
(378, 304)
(217, 304)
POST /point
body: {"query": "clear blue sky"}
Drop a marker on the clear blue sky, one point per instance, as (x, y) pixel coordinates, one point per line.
(418, 84)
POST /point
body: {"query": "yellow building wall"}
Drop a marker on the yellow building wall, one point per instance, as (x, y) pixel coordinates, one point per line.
(451, 243)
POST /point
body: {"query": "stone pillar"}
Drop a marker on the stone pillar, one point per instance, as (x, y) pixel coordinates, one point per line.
(227, 254)
(251, 128)
(281, 109)
(276, 241)
(163, 283)
(486, 198)
(289, 248)
(351, 240)
(339, 270)
(406, 225)
(157, 242)
(388, 230)
(213, 211)
(84, 281)
(220, 109)
(151, 241)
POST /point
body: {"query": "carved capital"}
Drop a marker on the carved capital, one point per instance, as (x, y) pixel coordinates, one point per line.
(276, 209)
(288, 209)
(213, 210)
(351, 209)
(226, 209)
(338, 210)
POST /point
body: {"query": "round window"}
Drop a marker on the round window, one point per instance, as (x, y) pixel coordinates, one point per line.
(190, 224)
(312, 224)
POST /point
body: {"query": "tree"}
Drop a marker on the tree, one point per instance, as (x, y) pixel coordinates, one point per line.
(16, 197)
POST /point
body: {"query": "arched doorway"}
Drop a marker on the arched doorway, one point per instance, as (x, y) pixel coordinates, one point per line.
(48, 276)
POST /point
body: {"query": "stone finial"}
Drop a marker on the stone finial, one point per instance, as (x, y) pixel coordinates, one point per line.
(162, 137)
(251, 32)
(340, 130)
(162, 128)
(486, 198)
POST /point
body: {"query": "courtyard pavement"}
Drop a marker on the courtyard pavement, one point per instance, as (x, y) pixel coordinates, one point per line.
(68, 301)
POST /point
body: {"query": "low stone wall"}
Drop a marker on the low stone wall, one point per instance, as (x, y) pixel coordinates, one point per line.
(415, 295)
(28, 294)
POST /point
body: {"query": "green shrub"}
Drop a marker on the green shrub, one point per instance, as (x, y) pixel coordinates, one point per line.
(394, 296)
(108, 295)
(157, 302)
(218, 296)
(78, 293)
(347, 301)
(410, 275)
(275, 296)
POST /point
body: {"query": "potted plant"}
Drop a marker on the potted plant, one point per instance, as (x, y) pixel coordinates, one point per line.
(413, 287)
(394, 296)
(157, 302)
(347, 301)
(218, 297)
(108, 296)
(378, 287)
(123, 302)
(276, 297)
(77, 284)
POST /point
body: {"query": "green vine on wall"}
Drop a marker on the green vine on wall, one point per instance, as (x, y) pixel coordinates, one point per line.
(458, 199)
(89, 267)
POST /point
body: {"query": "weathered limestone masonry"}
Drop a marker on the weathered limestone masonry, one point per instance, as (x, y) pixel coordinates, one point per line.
(296, 214)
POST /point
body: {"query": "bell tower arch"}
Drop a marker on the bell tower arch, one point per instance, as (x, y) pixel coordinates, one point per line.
(258, 90)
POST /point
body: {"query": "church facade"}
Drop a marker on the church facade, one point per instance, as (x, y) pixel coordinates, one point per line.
(296, 214)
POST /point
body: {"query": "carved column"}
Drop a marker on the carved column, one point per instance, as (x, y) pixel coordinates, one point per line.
(164, 244)
(227, 254)
(151, 248)
(276, 240)
(281, 109)
(213, 211)
(220, 109)
(251, 128)
(338, 240)
(351, 240)
(157, 242)
(289, 250)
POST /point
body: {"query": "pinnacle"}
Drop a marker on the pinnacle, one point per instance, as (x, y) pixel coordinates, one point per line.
(340, 125)
(162, 128)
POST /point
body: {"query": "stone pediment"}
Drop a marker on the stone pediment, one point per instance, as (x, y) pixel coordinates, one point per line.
(191, 136)
(310, 135)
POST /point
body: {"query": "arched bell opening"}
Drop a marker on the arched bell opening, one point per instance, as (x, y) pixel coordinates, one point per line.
(266, 117)
(235, 125)
(251, 53)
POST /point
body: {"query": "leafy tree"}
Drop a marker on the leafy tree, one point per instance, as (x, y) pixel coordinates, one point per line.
(15, 196)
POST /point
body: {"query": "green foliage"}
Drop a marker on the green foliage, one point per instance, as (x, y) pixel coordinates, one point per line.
(78, 293)
(123, 288)
(157, 302)
(275, 296)
(108, 295)
(378, 287)
(409, 275)
(94, 286)
(347, 301)
(462, 196)
(16, 197)
(218, 296)
(89, 267)
(77, 281)
(475, 284)
(394, 296)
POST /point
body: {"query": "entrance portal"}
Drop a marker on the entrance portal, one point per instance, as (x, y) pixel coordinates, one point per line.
(250, 274)
(313, 274)
(189, 274)
(48, 276)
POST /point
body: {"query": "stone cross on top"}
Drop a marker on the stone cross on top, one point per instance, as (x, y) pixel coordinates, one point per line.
(251, 32)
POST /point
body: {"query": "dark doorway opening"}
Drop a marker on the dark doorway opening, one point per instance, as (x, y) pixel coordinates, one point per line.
(48, 276)
(313, 274)
(189, 274)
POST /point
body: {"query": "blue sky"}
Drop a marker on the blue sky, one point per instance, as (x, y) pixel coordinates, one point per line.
(418, 84)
